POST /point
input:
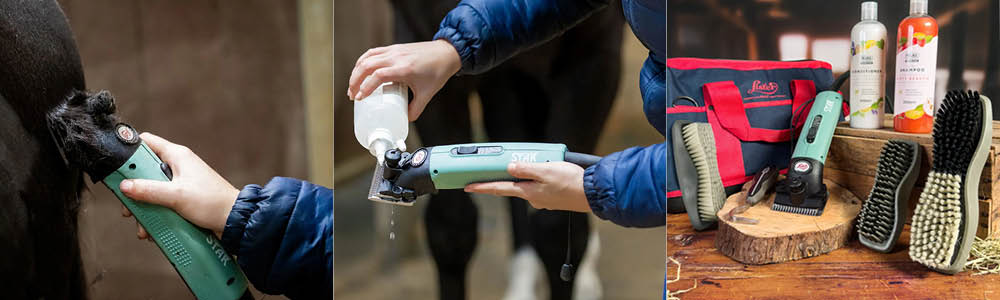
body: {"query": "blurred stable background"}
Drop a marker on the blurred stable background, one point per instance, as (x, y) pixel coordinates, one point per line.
(371, 266)
(968, 52)
(245, 84)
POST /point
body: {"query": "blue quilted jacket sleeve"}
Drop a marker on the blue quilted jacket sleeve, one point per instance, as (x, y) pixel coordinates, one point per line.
(629, 187)
(281, 234)
(487, 32)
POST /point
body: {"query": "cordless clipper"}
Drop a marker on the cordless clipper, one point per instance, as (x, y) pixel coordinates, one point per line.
(803, 191)
(404, 176)
(91, 138)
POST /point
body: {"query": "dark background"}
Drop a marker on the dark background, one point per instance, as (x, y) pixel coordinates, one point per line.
(968, 51)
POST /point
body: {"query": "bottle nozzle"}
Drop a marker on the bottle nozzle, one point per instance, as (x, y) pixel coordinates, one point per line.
(378, 148)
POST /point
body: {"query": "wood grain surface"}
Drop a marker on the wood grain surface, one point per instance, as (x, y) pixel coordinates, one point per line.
(782, 236)
(853, 272)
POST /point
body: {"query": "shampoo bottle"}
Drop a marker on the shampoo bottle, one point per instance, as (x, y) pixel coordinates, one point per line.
(916, 65)
(380, 120)
(867, 69)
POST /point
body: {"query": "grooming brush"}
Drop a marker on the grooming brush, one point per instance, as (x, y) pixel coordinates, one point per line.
(945, 220)
(698, 172)
(884, 213)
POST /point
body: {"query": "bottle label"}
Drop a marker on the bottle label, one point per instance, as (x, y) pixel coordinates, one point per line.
(867, 81)
(916, 61)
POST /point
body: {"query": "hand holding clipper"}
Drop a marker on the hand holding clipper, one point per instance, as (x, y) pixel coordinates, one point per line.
(92, 139)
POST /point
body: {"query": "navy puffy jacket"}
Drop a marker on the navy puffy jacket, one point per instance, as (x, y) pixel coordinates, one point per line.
(282, 237)
(627, 187)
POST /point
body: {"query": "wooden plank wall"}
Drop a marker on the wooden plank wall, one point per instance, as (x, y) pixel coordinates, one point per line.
(316, 24)
(854, 157)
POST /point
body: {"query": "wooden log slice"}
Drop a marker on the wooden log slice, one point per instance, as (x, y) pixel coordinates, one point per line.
(781, 236)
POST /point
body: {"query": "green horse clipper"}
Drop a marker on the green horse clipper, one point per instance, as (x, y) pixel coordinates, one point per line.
(402, 176)
(91, 138)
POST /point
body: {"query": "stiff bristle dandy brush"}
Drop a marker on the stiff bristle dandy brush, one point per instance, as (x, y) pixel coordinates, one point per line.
(92, 139)
(698, 172)
(945, 220)
(884, 213)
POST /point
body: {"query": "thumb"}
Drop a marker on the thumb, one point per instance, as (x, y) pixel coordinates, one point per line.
(150, 191)
(533, 171)
(417, 106)
(155, 142)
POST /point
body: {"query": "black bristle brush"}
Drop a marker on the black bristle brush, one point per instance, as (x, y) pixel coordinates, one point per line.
(884, 213)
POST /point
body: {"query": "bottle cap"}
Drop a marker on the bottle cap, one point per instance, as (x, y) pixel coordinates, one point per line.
(918, 7)
(869, 10)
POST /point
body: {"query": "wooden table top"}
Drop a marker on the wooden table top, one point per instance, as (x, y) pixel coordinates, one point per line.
(852, 271)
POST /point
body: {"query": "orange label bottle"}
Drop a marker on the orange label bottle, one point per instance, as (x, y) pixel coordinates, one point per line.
(916, 65)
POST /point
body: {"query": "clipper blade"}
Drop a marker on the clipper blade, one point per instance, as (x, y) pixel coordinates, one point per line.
(796, 210)
(810, 205)
(379, 184)
(376, 182)
(390, 200)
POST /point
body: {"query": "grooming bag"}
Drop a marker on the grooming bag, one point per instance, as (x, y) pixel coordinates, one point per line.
(749, 105)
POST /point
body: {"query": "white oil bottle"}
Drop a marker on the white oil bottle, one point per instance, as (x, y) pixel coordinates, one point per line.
(867, 95)
(380, 120)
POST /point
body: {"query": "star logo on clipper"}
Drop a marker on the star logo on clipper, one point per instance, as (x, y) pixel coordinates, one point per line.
(127, 134)
(418, 158)
(802, 167)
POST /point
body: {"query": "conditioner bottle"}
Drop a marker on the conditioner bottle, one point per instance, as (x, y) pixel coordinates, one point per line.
(867, 93)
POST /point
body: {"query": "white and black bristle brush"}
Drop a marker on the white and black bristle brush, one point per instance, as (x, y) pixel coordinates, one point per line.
(945, 220)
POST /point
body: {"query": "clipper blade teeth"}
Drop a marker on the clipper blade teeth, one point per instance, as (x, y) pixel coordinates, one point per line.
(700, 143)
(877, 220)
(795, 210)
(376, 181)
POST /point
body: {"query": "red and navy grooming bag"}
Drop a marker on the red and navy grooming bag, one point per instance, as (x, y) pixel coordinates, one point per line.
(749, 105)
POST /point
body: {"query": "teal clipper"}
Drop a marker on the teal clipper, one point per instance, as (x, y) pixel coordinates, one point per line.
(406, 175)
(803, 191)
(196, 253)
(92, 139)
(403, 176)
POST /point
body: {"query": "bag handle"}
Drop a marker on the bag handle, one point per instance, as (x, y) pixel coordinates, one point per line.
(727, 102)
(802, 92)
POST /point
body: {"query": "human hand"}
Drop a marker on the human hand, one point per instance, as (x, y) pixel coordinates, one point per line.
(423, 66)
(196, 192)
(554, 185)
